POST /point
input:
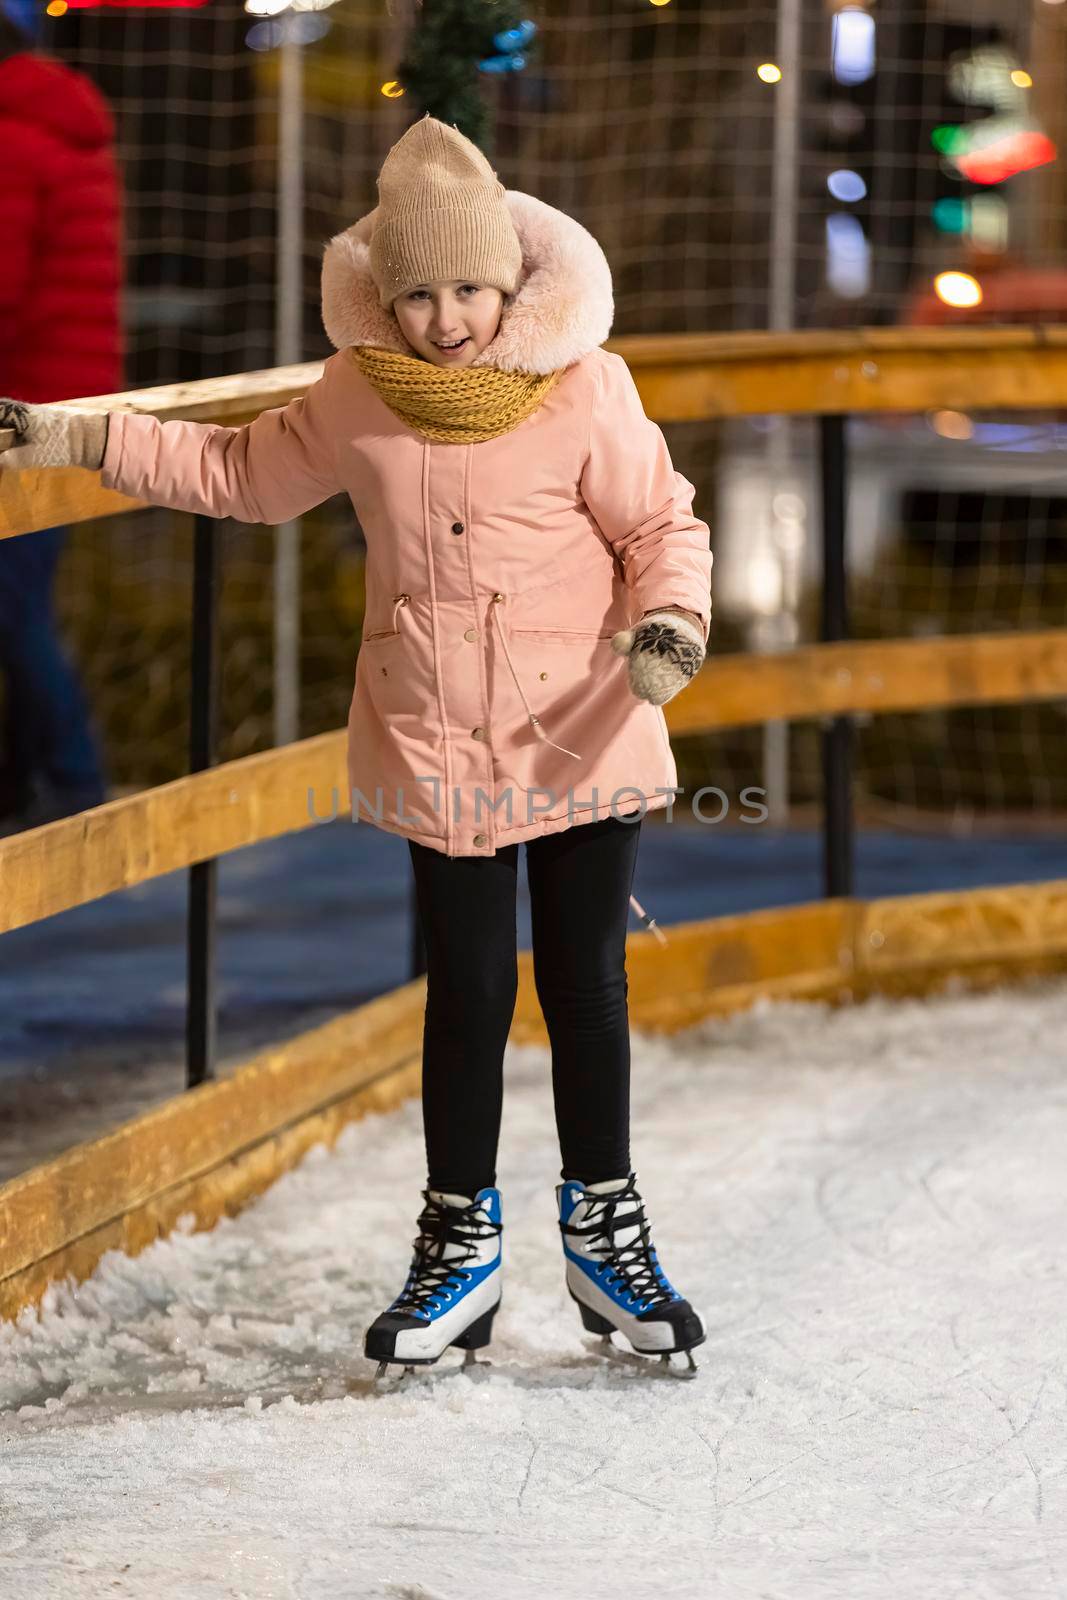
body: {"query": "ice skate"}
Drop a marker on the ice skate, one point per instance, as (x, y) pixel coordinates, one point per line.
(453, 1286)
(614, 1275)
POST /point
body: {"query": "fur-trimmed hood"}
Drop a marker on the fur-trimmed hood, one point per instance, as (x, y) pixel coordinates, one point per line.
(562, 309)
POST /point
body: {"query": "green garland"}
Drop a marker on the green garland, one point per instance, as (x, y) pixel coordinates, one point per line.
(440, 69)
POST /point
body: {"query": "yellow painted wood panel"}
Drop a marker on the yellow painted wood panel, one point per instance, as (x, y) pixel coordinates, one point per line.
(129, 841)
(223, 1191)
(211, 1151)
(880, 675)
(48, 1208)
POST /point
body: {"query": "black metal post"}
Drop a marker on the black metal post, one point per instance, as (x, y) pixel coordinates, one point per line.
(201, 1027)
(837, 738)
(418, 944)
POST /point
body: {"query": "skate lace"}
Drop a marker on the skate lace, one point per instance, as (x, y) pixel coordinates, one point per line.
(431, 1277)
(635, 1263)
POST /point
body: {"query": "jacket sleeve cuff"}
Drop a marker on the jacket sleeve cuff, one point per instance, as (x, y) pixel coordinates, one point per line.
(697, 617)
(690, 628)
(112, 463)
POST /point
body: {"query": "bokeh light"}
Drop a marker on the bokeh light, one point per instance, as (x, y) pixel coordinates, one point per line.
(844, 184)
(768, 72)
(958, 289)
(852, 45)
(951, 424)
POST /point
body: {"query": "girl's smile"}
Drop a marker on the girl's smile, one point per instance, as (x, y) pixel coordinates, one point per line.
(456, 313)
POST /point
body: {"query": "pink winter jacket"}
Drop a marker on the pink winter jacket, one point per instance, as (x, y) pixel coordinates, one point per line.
(489, 707)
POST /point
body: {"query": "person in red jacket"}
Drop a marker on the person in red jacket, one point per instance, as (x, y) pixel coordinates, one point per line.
(60, 339)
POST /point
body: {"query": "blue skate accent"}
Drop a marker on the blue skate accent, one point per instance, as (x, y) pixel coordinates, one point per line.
(451, 1287)
(611, 1282)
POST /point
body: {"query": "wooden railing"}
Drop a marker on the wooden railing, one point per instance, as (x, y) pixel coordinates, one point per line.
(681, 378)
(191, 822)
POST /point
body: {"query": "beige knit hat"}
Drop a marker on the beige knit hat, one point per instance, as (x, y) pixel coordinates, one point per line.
(441, 215)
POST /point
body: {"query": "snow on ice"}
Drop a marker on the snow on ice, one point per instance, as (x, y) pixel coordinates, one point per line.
(868, 1206)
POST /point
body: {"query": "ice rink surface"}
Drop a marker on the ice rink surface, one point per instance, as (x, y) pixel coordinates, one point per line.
(869, 1208)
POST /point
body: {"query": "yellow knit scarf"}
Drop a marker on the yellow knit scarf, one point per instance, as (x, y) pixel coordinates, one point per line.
(461, 405)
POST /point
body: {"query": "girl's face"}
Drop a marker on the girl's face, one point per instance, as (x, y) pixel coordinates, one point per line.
(440, 313)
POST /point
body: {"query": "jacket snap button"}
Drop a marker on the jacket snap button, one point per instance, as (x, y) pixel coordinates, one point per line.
(477, 733)
(480, 839)
(457, 527)
(498, 597)
(470, 635)
(542, 676)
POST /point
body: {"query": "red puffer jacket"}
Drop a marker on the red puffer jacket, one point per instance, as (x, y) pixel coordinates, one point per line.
(60, 263)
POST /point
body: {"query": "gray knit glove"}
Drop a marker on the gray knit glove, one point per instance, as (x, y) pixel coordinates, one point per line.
(47, 436)
(666, 651)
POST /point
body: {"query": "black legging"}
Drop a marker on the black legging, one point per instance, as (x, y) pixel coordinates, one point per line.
(580, 881)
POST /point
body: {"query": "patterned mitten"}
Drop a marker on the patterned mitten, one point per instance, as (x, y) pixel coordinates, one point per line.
(47, 436)
(665, 650)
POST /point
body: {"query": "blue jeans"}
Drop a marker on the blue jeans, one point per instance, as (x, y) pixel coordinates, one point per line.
(47, 737)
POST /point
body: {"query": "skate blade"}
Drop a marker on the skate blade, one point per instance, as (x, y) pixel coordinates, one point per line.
(386, 1379)
(661, 1365)
(469, 1365)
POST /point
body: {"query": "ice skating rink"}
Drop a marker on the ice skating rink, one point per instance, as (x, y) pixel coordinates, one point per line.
(870, 1207)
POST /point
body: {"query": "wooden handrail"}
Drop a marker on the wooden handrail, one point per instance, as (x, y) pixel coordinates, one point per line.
(824, 680)
(34, 499)
(681, 378)
(126, 842)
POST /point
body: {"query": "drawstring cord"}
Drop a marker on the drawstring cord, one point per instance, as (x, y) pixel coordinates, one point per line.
(650, 922)
(535, 722)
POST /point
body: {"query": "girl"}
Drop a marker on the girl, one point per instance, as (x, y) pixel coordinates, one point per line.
(537, 587)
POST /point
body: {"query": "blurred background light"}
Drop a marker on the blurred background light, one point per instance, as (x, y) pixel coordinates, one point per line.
(958, 289)
(952, 424)
(273, 8)
(304, 28)
(987, 222)
(848, 256)
(852, 45)
(949, 214)
(844, 184)
(769, 72)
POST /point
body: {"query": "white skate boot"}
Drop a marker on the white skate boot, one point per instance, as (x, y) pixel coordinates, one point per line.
(453, 1286)
(614, 1275)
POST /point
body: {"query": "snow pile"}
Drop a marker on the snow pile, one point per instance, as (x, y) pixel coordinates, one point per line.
(868, 1207)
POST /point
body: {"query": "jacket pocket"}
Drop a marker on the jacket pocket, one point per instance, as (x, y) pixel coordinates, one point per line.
(394, 630)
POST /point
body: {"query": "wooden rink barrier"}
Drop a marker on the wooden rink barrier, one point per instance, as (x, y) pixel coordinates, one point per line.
(142, 836)
(684, 377)
(210, 1151)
